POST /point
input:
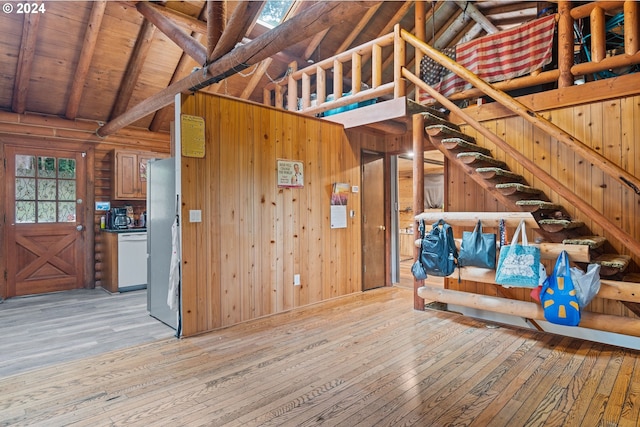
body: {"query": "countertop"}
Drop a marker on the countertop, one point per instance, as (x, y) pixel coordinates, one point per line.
(125, 230)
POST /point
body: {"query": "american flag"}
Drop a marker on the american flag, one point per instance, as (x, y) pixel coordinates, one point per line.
(500, 56)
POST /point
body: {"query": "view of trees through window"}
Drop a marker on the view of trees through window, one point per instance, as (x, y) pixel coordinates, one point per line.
(273, 12)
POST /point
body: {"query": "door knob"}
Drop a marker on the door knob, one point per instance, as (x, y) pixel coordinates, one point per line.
(79, 227)
(382, 227)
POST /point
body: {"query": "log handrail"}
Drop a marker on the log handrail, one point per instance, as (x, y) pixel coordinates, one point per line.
(627, 240)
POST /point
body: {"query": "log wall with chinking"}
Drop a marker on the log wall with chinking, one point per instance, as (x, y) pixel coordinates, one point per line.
(608, 127)
(239, 262)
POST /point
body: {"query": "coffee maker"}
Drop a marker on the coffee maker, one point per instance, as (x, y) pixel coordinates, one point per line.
(119, 218)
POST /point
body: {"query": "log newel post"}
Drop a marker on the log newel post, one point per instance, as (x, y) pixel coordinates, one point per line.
(565, 44)
(418, 195)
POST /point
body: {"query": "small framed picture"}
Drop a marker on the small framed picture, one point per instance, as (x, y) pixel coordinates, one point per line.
(290, 174)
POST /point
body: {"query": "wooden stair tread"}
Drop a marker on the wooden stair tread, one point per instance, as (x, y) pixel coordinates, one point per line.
(537, 205)
(594, 242)
(454, 144)
(432, 119)
(510, 188)
(613, 260)
(493, 173)
(612, 264)
(470, 158)
(556, 225)
(446, 131)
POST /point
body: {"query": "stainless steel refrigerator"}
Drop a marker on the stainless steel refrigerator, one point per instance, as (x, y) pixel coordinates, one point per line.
(161, 213)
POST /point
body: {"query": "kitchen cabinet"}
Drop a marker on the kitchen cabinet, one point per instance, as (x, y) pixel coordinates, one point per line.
(130, 173)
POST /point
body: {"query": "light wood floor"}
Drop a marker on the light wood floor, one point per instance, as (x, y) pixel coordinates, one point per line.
(47, 329)
(362, 360)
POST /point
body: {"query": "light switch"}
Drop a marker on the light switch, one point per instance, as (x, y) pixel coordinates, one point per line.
(195, 215)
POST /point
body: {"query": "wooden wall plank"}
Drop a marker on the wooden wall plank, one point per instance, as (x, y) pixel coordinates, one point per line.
(265, 234)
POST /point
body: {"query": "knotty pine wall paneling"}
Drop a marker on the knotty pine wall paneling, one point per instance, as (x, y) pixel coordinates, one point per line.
(239, 262)
(608, 127)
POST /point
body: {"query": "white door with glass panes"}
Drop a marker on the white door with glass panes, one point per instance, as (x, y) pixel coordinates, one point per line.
(45, 224)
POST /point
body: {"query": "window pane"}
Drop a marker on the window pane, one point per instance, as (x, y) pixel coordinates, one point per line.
(66, 168)
(66, 190)
(46, 167)
(25, 165)
(273, 12)
(25, 212)
(25, 189)
(66, 211)
(46, 189)
(46, 211)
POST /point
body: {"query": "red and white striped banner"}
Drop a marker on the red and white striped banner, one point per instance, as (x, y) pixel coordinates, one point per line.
(504, 55)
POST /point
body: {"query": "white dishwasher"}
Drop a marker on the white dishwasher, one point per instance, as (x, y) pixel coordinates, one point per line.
(132, 261)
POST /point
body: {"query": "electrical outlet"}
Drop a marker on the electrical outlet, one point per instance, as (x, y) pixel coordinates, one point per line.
(296, 279)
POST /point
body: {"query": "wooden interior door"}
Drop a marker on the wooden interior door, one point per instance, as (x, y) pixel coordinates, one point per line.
(45, 242)
(373, 222)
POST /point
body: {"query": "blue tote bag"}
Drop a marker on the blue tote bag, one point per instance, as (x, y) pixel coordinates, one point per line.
(558, 295)
(519, 264)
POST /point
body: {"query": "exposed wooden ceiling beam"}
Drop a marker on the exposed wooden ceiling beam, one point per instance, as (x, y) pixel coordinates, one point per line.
(134, 68)
(260, 71)
(86, 55)
(243, 17)
(346, 44)
(300, 27)
(187, 43)
(477, 16)
(453, 30)
(216, 23)
(25, 61)
(193, 24)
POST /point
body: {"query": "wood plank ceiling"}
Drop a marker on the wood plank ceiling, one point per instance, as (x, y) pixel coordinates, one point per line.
(94, 60)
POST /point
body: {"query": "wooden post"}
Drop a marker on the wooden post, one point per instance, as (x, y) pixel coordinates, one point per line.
(292, 91)
(356, 72)
(421, 34)
(631, 30)
(399, 60)
(418, 194)
(306, 91)
(565, 44)
(321, 85)
(598, 35)
(376, 65)
(266, 97)
(337, 80)
(279, 97)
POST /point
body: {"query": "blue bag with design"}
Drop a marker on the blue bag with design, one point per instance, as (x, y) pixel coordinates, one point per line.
(519, 264)
(558, 295)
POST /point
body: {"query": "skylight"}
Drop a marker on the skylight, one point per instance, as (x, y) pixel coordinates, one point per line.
(273, 12)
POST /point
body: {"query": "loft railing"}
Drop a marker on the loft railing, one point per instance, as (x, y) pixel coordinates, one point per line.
(306, 90)
(300, 81)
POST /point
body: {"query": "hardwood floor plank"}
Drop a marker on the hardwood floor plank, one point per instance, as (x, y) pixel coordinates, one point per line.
(364, 360)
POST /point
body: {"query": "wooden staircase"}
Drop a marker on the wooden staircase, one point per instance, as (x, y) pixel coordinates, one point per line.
(511, 189)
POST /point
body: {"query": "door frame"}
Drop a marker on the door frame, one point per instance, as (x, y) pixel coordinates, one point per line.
(92, 218)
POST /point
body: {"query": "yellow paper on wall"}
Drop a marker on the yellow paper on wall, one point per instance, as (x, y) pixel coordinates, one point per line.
(193, 136)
